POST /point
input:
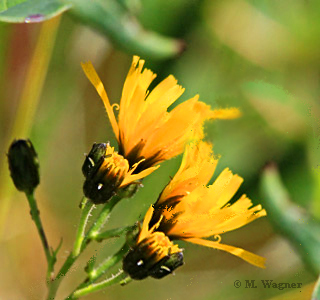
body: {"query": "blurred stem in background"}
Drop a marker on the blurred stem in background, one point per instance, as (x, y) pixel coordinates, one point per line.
(316, 197)
(314, 158)
(290, 220)
(28, 104)
(316, 292)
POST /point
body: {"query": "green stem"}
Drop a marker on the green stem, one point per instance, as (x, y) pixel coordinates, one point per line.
(108, 263)
(53, 287)
(98, 286)
(101, 220)
(35, 214)
(94, 230)
(126, 280)
(111, 233)
(86, 211)
(95, 274)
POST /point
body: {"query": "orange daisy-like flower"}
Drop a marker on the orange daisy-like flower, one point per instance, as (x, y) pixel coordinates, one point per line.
(189, 210)
(192, 212)
(146, 132)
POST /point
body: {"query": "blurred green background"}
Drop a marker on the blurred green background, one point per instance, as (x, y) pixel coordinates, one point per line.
(260, 56)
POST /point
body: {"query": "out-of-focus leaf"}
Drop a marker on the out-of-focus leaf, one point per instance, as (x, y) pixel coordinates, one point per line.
(249, 32)
(281, 110)
(290, 220)
(5, 4)
(32, 11)
(112, 19)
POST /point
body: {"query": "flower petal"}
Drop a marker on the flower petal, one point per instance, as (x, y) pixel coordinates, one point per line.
(196, 169)
(249, 257)
(225, 113)
(131, 178)
(145, 225)
(97, 83)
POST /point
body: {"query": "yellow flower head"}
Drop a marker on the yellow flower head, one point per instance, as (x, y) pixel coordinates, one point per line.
(145, 129)
(188, 210)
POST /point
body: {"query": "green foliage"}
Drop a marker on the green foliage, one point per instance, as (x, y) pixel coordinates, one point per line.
(112, 18)
(32, 11)
(290, 220)
(5, 4)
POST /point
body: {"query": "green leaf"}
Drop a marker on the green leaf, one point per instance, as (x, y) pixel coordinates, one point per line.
(111, 18)
(124, 30)
(5, 4)
(32, 11)
(290, 220)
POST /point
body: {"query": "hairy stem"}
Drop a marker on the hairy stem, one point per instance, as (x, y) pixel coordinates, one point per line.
(111, 233)
(98, 286)
(80, 236)
(35, 214)
(93, 231)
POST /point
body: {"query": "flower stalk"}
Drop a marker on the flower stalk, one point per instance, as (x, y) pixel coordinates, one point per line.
(82, 240)
(35, 215)
(108, 263)
(87, 207)
(117, 232)
(96, 273)
(119, 277)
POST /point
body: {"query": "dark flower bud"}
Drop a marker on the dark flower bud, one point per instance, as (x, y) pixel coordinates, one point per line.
(105, 171)
(23, 165)
(94, 159)
(155, 256)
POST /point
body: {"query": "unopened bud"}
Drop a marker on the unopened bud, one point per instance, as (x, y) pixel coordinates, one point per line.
(104, 170)
(23, 165)
(94, 159)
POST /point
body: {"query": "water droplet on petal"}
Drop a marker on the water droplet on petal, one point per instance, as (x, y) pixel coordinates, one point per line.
(34, 18)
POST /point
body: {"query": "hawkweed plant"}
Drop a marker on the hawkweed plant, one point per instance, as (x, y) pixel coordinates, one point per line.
(187, 209)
